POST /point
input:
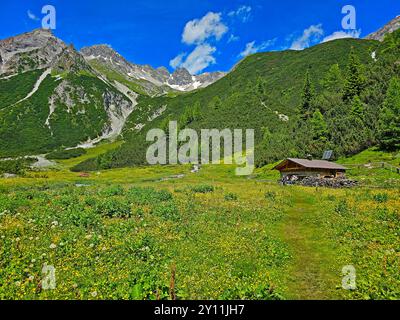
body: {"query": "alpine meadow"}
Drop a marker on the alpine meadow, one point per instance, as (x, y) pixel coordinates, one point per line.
(84, 214)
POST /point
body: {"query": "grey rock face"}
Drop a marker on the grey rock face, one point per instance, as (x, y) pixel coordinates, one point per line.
(33, 50)
(388, 28)
(180, 80)
(181, 77)
(210, 77)
(106, 55)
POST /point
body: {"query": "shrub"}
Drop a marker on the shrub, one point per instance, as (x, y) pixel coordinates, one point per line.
(342, 207)
(203, 189)
(113, 191)
(167, 211)
(113, 208)
(146, 196)
(85, 218)
(270, 195)
(66, 154)
(14, 166)
(231, 197)
(381, 197)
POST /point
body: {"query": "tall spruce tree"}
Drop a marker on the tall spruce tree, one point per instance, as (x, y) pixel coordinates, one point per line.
(333, 80)
(355, 79)
(357, 108)
(305, 109)
(319, 127)
(261, 89)
(389, 122)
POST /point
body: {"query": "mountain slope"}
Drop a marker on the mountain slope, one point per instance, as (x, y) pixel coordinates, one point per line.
(234, 101)
(51, 98)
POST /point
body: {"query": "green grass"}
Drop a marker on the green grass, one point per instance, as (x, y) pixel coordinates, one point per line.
(360, 170)
(371, 156)
(120, 232)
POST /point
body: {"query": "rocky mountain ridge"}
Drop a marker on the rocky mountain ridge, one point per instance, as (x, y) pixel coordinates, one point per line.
(179, 80)
(390, 27)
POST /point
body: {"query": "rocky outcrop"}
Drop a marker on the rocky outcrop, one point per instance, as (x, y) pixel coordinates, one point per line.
(388, 28)
(180, 80)
(38, 49)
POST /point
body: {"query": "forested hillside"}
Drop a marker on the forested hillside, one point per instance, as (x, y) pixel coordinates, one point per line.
(330, 96)
(63, 112)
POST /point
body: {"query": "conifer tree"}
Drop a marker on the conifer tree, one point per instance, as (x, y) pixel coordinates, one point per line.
(333, 80)
(389, 122)
(355, 79)
(307, 98)
(196, 112)
(357, 108)
(318, 126)
(261, 89)
(216, 102)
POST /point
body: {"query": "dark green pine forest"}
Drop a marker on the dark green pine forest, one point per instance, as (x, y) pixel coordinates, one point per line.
(342, 95)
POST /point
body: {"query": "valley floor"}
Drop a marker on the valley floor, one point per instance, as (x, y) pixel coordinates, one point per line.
(130, 233)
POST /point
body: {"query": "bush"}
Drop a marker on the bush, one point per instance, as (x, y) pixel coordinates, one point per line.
(113, 208)
(146, 196)
(14, 166)
(167, 211)
(113, 191)
(203, 189)
(381, 197)
(66, 154)
(270, 195)
(85, 218)
(231, 197)
(342, 207)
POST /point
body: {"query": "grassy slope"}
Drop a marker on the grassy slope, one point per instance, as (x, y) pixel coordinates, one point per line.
(376, 176)
(284, 73)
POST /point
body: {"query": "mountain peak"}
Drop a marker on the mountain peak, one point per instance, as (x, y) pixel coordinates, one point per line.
(180, 79)
(40, 45)
(390, 27)
(182, 71)
(100, 50)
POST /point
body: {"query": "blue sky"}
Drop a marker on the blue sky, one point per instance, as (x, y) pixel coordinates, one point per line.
(202, 35)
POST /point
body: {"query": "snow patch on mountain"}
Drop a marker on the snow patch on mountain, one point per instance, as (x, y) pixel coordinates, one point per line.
(179, 80)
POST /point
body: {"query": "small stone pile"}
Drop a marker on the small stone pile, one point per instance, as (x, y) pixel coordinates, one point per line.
(328, 183)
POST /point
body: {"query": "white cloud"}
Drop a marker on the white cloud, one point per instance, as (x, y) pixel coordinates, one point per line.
(251, 47)
(199, 30)
(32, 16)
(342, 35)
(310, 36)
(243, 13)
(200, 58)
(233, 38)
(178, 60)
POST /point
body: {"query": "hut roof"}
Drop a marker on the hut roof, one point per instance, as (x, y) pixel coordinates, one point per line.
(312, 164)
